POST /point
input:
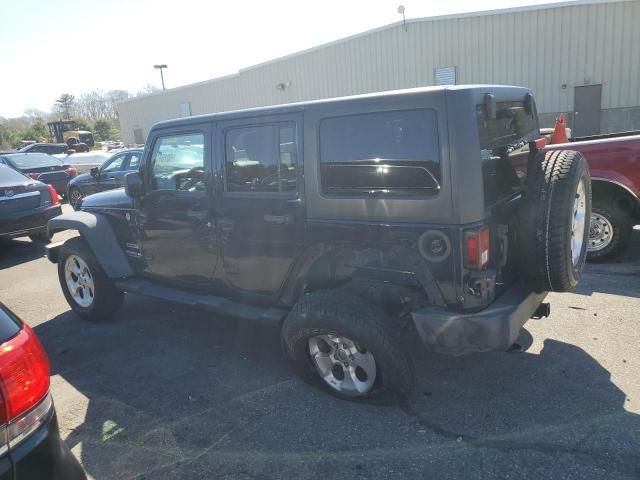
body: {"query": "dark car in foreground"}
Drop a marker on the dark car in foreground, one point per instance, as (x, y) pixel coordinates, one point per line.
(353, 225)
(26, 205)
(42, 167)
(30, 443)
(108, 176)
(48, 148)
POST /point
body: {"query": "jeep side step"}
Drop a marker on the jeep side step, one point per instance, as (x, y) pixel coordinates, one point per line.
(266, 316)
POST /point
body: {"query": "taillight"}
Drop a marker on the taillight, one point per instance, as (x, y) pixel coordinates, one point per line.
(55, 199)
(478, 248)
(72, 172)
(34, 175)
(24, 383)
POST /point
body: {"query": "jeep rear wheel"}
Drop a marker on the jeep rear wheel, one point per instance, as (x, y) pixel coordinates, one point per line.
(347, 346)
(88, 291)
(556, 220)
(609, 232)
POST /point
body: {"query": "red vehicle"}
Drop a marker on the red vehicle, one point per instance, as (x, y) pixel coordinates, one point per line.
(614, 162)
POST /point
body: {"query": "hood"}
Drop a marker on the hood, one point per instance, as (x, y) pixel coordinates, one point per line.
(109, 199)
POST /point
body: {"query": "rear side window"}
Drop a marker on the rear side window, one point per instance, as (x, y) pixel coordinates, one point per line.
(504, 147)
(382, 153)
(261, 158)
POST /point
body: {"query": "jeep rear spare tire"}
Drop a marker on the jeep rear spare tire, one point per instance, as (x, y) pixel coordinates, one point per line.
(555, 224)
(348, 346)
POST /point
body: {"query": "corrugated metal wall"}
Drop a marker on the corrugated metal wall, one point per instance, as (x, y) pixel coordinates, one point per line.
(542, 48)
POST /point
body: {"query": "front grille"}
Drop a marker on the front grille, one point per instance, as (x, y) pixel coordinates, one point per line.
(19, 202)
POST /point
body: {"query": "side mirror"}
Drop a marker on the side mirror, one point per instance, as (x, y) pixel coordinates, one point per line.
(490, 108)
(94, 171)
(133, 185)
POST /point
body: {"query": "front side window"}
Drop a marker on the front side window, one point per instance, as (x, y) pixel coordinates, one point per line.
(261, 159)
(380, 153)
(114, 164)
(178, 163)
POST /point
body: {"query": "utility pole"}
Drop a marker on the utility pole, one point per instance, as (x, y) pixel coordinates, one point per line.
(160, 67)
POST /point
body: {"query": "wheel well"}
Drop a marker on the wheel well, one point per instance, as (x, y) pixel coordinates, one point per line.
(346, 269)
(615, 194)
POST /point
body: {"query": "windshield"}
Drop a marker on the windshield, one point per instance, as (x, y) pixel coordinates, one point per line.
(33, 160)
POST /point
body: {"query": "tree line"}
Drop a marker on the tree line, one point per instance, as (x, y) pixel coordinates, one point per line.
(94, 111)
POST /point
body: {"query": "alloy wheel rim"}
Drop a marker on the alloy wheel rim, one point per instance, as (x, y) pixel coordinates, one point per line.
(600, 232)
(578, 223)
(76, 196)
(79, 281)
(343, 364)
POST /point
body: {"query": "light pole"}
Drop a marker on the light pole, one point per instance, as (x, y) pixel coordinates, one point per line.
(160, 67)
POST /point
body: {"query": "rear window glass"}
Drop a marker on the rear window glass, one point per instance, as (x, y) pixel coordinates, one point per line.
(511, 127)
(8, 176)
(380, 153)
(504, 147)
(33, 160)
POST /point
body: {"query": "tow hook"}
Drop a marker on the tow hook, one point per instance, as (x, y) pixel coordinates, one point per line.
(544, 310)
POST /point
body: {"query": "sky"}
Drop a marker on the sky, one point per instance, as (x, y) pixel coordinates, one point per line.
(50, 47)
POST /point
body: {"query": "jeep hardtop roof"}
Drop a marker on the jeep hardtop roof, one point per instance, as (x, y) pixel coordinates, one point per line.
(479, 89)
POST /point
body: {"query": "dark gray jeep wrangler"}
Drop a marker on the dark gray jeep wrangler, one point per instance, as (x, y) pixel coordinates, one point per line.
(351, 224)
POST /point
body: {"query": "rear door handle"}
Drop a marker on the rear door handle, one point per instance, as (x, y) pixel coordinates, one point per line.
(278, 219)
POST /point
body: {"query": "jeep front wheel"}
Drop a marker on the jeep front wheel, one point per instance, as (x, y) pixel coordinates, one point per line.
(88, 291)
(609, 232)
(348, 346)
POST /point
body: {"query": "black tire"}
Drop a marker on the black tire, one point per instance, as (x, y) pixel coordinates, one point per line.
(107, 299)
(330, 312)
(612, 221)
(547, 226)
(74, 197)
(82, 147)
(41, 238)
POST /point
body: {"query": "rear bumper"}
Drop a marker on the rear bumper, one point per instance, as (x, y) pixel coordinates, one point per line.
(494, 328)
(19, 224)
(44, 456)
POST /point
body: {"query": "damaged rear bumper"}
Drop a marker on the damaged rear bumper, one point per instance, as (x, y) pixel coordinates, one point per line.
(494, 328)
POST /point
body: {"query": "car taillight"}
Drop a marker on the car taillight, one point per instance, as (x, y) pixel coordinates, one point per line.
(55, 199)
(25, 403)
(72, 172)
(34, 175)
(478, 248)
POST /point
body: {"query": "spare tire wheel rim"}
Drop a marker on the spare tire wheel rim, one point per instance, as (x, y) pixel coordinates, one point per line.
(79, 281)
(578, 223)
(600, 232)
(343, 364)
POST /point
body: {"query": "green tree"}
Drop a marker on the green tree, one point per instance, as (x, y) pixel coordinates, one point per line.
(65, 106)
(103, 130)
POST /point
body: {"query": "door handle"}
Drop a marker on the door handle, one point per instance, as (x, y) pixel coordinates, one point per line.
(278, 219)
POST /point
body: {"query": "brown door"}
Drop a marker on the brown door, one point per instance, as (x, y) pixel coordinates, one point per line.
(587, 107)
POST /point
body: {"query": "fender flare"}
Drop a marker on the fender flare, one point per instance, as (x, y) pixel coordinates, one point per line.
(619, 182)
(98, 233)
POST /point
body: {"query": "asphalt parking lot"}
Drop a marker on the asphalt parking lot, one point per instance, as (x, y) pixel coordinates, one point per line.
(168, 392)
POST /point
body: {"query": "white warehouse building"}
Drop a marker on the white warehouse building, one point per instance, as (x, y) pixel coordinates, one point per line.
(581, 58)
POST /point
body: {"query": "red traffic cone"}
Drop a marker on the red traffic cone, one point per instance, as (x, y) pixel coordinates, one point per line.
(559, 134)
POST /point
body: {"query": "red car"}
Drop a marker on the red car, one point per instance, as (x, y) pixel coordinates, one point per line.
(614, 162)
